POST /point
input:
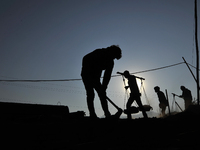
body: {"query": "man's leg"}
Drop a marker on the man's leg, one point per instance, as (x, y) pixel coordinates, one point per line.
(188, 102)
(138, 100)
(90, 97)
(102, 97)
(90, 103)
(163, 110)
(128, 106)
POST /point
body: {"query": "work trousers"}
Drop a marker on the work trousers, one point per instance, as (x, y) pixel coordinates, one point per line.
(90, 86)
(132, 98)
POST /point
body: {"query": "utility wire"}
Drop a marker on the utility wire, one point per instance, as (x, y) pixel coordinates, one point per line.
(153, 69)
(81, 79)
(40, 80)
(192, 66)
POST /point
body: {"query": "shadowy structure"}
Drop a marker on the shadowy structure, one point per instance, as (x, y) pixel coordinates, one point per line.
(93, 65)
(162, 99)
(38, 112)
(187, 96)
(134, 95)
(22, 109)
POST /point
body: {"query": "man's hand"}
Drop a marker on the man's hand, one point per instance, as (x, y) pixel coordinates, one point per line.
(104, 87)
(126, 87)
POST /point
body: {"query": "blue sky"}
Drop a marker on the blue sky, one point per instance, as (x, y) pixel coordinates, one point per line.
(46, 39)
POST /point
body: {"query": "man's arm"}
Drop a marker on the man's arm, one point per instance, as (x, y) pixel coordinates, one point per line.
(107, 75)
(182, 96)
(126, 87)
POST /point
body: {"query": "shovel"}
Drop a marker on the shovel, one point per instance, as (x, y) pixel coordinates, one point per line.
(118, 113)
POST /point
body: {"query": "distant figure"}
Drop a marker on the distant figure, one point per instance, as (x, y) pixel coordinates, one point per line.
(187, 96)
(162, 99)
(92, 66)
(134, 95)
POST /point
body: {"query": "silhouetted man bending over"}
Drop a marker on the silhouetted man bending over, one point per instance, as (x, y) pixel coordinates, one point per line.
(187, 96)
(92, 66)
(162, 99)
(135, 93)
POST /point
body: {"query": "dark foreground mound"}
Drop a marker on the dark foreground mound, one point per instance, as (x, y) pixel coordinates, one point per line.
(60, 132)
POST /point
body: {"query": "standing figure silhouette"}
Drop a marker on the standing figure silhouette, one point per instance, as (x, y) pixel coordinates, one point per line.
(134, 95)
(93, 64)
(187, 96)
(162, 99)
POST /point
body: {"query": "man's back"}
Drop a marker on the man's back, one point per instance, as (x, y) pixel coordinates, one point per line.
(95, 62)
(187, 94)
(133, 84)
(161, 97)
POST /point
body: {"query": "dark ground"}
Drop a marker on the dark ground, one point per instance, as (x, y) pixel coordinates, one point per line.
(64, 132)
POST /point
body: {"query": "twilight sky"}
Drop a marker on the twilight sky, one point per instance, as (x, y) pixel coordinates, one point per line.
(46, 39)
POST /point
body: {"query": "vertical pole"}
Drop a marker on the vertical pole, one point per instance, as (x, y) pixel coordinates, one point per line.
(190, 69)
(197, 52)
(167, 101)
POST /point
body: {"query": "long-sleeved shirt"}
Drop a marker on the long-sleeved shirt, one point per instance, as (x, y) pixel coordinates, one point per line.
(94, 63)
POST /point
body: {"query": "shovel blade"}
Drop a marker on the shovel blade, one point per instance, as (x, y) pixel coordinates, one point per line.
(117, 114)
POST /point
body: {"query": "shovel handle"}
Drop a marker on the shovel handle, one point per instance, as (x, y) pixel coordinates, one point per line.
(113, 103)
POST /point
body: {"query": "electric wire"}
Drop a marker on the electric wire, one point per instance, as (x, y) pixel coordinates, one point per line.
(61, 80)
(64, 90)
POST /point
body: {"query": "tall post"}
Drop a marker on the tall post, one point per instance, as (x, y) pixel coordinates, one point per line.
(197, 51)
(190, 69)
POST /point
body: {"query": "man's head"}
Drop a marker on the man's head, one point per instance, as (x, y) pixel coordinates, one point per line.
(182, 88)
(115, 51)
(157, 88)
(126, 73)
